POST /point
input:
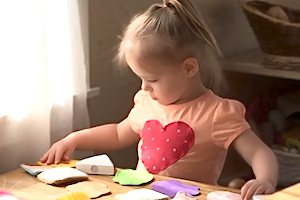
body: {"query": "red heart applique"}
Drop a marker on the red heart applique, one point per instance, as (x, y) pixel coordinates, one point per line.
(163, 146)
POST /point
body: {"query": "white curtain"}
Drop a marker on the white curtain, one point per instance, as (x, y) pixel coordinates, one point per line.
(43, 76)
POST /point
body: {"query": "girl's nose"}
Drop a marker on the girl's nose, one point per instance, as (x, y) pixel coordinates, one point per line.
(145, 86)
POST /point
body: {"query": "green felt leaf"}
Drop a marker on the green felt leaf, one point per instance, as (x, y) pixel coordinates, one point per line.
(132, 177)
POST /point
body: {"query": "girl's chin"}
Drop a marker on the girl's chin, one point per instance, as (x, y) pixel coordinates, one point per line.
(154, 98)
(160, 102)
(157, 100)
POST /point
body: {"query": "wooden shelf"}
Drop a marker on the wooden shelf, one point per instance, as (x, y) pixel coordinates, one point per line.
(251, 62)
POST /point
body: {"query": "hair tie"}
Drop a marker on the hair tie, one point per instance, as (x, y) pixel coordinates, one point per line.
(167, 4)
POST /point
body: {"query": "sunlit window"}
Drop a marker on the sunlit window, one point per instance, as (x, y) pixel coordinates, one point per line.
(35, 56)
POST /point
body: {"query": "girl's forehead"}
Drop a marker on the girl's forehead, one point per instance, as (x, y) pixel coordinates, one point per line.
(143, 61)
(143, 66)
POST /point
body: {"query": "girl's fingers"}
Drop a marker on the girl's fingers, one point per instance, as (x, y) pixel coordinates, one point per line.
(50, 159)
(245, 188)
(58, 152)
(260, 190)
(44, 157)
(255, 187)
(250, 191)
(66, 158)
(59, 155)
(68, 152)
(269, 190)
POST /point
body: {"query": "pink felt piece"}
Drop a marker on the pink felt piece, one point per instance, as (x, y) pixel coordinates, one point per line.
(184, 196)
(163, 146)
(223, 195)
(5, 193)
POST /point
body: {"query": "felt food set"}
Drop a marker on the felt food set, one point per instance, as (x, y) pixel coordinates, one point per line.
(76, 181)
(73, 176)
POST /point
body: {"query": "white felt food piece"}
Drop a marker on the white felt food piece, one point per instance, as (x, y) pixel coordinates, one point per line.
(62, 175)
(259, 197)
(8, 198)
(141, 194)
(100, 164)
(183, 196)
(223, 195)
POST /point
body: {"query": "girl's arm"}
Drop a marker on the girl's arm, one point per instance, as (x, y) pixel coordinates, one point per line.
(104, 137)
(263, 162)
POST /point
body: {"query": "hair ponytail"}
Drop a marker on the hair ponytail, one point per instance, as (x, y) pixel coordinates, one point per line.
(193, 19)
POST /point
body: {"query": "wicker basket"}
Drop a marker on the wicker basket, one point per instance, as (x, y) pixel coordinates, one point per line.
(278, 33)
(289, 168)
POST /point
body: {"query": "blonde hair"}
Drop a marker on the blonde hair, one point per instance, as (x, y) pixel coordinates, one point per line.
(174, 31)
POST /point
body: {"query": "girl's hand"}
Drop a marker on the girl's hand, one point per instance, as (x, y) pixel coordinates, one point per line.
(60, 151)
(256, 186)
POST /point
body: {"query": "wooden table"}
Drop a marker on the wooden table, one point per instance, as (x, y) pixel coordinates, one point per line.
(27, 187)
(290, 193)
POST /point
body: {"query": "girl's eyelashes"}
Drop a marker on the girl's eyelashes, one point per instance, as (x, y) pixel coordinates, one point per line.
(152, 81)
(149, 80)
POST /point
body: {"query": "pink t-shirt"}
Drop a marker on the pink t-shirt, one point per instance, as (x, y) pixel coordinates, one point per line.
(188, 140)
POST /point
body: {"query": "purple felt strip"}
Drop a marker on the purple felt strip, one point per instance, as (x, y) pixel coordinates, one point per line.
(171, 187)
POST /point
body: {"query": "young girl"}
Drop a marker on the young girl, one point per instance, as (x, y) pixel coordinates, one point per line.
(183, 128)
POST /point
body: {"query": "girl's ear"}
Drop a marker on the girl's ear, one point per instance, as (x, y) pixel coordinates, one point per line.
(190, 66)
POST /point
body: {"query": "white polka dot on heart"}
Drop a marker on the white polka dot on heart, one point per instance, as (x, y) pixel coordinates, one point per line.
(178, 130)
(157, 148)
(154, 167)
(152, 139)
(167, 140)
(148, 157)
(185, 141)
(162, 130)
(148, 128)
(163, 159)
(174, 149)
(145, 147)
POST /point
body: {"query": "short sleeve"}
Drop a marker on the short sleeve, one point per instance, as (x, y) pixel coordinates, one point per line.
(136, 112)
(229, 122)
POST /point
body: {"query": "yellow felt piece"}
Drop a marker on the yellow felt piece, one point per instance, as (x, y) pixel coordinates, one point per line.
(92, 189)
(75, 196)
(70, 163)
